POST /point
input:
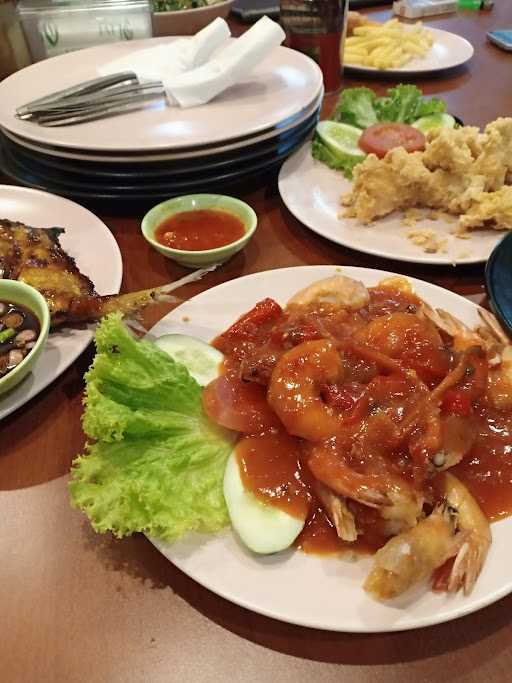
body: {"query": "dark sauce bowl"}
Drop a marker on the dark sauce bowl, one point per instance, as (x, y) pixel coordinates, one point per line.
(16, 292)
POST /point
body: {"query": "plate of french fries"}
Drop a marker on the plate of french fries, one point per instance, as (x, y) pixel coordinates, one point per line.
(395, 47)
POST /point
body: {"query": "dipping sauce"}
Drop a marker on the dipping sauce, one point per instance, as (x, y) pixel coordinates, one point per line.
(200, 230)
(19, 330)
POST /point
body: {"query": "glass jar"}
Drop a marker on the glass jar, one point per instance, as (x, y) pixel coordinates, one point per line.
(53, 27)
(14, 54)
(317, 28)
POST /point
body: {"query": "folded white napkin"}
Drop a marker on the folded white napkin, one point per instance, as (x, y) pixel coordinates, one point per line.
(226, 67)
(170, 59)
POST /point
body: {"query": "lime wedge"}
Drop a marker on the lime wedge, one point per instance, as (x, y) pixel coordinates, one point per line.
(427, 123)
(341, 138)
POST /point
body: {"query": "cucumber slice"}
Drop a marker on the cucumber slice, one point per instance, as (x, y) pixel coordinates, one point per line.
(201, 360)
(432, 121)
(264, 529)
(341, 139)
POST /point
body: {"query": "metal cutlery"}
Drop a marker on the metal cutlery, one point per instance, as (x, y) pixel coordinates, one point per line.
(97, 98)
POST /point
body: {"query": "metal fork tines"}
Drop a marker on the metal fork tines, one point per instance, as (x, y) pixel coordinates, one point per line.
(85, 88)
(91, 101)
(112, 96)
(70, 117)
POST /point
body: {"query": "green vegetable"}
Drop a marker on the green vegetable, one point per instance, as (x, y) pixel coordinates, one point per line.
(6, 334)
(322, 153)
(433, 121)
(405, 104)
(175, 5)
(157, 463)
(336, 145)
(356, 106)
(360, 107)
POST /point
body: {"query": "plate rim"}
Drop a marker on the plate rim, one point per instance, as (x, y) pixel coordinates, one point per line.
(191, 154)
(404, 71)
(259, 128)
(449, 614)
(423, 258)
(80, 347)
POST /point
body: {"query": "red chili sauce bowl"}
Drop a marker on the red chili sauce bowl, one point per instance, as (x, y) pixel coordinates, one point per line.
(201, 229)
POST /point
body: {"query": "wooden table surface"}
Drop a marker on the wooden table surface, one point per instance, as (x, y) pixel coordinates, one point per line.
(75, 606)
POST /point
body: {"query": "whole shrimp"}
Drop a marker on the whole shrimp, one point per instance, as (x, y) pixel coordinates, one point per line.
(295, 395)
(492, 339)
(456, 528)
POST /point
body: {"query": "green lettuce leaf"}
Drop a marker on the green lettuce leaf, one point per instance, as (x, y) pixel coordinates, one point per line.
(157, 463)
(356, 106)
(405, 104)
(339, 162)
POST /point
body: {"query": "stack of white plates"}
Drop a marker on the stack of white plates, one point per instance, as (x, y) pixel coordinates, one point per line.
(159, 151)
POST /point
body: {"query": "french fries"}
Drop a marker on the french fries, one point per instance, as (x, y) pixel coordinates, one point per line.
(387, 46)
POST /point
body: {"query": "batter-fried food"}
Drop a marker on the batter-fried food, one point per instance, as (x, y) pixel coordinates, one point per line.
(461, 171)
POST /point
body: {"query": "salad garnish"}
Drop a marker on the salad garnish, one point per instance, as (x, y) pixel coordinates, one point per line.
(361, 108)
(154, 463)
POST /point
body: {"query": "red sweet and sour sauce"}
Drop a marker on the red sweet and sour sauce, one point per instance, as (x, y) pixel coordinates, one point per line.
(199, 230)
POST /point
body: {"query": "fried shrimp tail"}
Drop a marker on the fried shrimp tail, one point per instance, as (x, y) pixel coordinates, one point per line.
(456, 528)
(474, 526)
(338, 512)
(412, 556)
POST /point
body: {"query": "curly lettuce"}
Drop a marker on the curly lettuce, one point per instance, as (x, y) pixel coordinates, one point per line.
(362, 108)
(403, 104)
(155, 463)
(356, 106)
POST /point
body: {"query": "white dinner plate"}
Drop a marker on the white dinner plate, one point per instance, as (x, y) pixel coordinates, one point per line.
(323, 593)
(278, 89)
(172, 155)
(312, 192)
(97, 255)
(448, 50)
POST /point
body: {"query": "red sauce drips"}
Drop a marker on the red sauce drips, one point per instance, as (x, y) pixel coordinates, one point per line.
(200, 230)
(270, 467)
(274, 465)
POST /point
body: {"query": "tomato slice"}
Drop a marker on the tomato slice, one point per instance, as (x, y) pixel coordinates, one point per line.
(381, 137)
(241, 406)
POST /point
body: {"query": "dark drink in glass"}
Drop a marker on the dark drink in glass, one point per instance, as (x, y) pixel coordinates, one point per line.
(317, 28)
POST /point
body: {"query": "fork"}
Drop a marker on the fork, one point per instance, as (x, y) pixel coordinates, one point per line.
(98, 98)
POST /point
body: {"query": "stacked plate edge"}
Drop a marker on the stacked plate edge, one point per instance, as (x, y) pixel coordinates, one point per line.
(159, 151)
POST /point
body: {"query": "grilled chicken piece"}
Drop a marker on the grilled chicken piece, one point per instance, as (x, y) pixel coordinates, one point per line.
(35, 256)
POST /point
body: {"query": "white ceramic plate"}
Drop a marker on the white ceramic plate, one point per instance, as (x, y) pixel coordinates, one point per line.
(278, 89)
(322, 593)
(181, 156)
(312, 192)
(449, 50)
(97, 255)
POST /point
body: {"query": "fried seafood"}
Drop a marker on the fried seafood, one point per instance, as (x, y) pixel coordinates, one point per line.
(386, 406)
(462, 171)
(457, 528)
(412, 557)
(35, 256)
